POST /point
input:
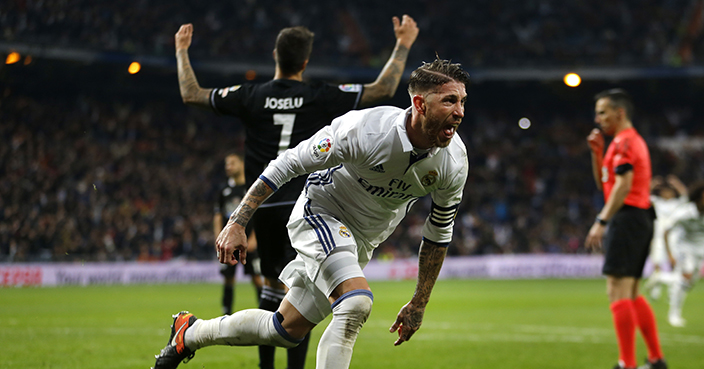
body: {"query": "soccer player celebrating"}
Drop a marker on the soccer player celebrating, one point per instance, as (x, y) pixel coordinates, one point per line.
(624, 175)
(277, 115)
(689, 219)
(368, 167)
(667, 196)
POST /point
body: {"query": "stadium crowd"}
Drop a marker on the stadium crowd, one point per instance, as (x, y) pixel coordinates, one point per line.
(82, 179)
(493, 33)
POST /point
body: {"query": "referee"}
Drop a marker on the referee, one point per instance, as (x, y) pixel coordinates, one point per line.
(624, 226)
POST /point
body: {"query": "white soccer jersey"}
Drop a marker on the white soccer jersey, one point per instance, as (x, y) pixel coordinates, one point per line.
(664, 208)
(365, 173)
(691, 223)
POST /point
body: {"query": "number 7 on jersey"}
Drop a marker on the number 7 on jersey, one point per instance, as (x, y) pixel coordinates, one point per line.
(286, 121)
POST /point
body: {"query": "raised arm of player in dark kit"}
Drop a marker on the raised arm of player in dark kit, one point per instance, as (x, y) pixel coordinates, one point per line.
(387, 82)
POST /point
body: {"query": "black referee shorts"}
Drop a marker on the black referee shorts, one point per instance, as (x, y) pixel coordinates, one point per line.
(273, 245)
(627, 242)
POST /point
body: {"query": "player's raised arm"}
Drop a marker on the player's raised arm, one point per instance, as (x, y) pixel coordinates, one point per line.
(387, 82)
(675, 182)
(409, 319)
(191, 92)
(596, 145)
(233, 237)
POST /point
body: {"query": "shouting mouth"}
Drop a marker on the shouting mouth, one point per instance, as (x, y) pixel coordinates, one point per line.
(449, 130)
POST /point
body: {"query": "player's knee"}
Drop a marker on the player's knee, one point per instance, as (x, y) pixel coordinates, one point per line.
(354, 306)
(282, 337)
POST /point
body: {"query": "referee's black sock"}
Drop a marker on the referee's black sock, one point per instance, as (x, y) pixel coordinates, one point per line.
(270, 300)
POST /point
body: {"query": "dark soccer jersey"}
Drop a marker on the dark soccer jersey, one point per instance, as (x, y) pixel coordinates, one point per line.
(628, 151)
(279, 114)
(229, 199)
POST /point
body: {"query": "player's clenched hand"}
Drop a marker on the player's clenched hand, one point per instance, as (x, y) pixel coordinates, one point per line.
(184, 36)
(596, 141)
(232, 239)
(595, 236)
(407, 322)
(406, 30)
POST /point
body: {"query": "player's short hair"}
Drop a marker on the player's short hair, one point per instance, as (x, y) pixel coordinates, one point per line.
(430, 76)
(696, 191)
(293, 48)
(658, 190)
(235, 154)
(618, 98)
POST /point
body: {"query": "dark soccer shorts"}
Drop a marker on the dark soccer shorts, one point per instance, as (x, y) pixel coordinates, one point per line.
(228, 271)
(273, 244)
(627, 242)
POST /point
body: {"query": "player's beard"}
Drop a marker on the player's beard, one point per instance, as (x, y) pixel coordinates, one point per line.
(432, 128)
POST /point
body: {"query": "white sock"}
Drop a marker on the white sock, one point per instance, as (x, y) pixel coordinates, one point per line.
(678, 292)
(349, 313)
(252, 327)
(669, 277)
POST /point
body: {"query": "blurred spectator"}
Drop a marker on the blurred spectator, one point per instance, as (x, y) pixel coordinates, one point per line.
(81, 179)
(506, 33)
(85, 180)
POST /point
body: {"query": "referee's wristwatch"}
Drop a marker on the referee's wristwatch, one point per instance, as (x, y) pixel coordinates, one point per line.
(601, 221)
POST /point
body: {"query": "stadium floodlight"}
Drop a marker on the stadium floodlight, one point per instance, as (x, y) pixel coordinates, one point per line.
(12, 58)
(524, 123)
(134, 68)
(572, 79)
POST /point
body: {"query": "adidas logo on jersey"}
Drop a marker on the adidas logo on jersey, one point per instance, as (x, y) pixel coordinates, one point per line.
(378, 168)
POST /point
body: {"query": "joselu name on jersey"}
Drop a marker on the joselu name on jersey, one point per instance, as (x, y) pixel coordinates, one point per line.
(283, 104)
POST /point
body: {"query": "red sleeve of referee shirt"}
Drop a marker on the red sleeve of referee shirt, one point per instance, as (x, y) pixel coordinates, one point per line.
(632, 151)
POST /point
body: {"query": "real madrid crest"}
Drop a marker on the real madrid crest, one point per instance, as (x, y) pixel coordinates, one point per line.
(344, 232)
(429, 179)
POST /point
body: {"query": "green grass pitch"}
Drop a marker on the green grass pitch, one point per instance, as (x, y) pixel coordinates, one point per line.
(478, 324)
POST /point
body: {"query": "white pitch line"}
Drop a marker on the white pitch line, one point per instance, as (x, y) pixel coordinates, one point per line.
(533, 333)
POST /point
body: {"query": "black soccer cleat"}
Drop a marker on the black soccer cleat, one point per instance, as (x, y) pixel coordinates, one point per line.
(660, 364)
(176, 351)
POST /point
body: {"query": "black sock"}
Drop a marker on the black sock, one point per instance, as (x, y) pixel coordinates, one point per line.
(297, 355)
(228, 298)
(259, 295)
(270, 300)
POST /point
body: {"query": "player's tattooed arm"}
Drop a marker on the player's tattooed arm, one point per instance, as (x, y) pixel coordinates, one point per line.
(231, 243)
(430, 259)
(410, 318)
(191, 92)
(255, 196)
(387, 82)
